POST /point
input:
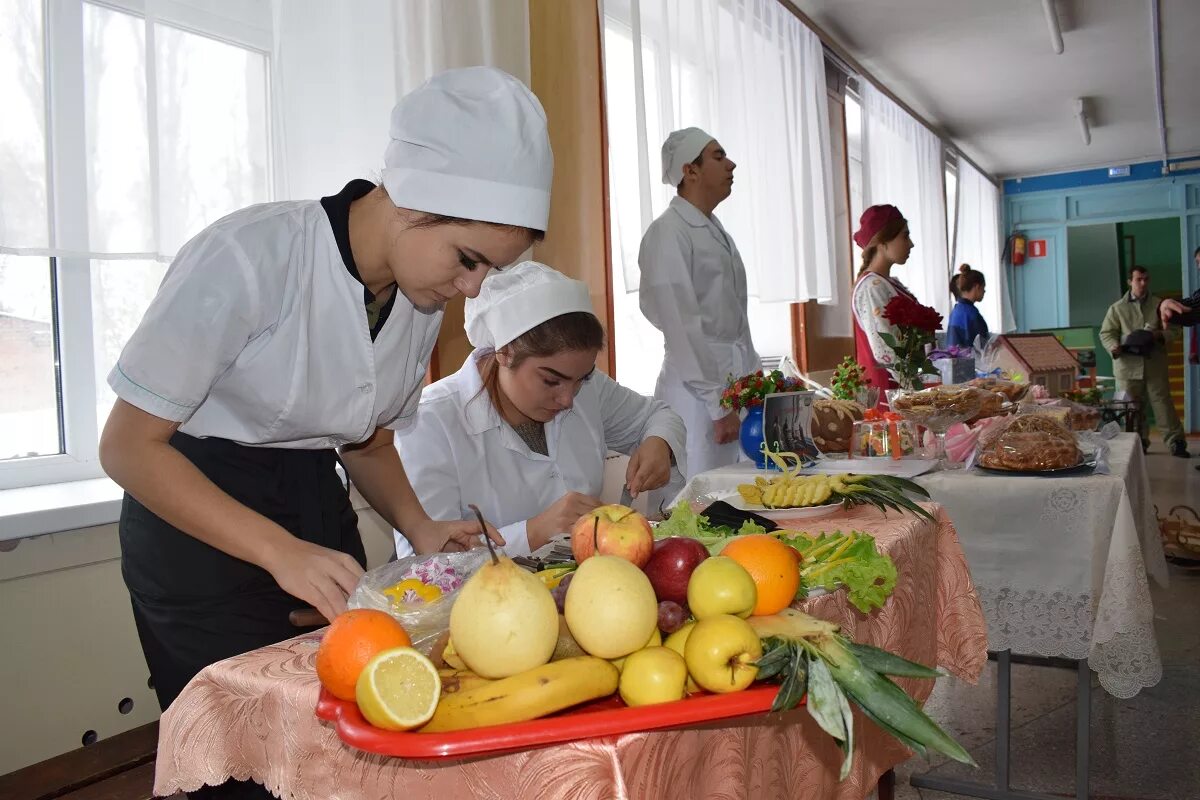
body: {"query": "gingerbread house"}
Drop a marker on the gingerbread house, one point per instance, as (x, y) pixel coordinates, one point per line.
(1040, 357)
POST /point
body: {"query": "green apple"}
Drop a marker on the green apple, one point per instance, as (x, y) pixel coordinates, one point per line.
(720, 585)
(721, 652)
(653, 675)
(676, 642)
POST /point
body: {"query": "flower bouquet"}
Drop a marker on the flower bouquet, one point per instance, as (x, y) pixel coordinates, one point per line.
(748, 391)
(915, 325)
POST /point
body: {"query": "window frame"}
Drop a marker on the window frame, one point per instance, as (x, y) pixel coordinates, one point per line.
(66, 166)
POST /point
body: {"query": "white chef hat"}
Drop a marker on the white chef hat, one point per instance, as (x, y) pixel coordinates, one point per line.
(680, 148)
(471, 143)
(518, 299)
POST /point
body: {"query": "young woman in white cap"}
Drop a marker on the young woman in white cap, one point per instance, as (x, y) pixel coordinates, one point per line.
(286, 334)
(693, 289)
(522, 430)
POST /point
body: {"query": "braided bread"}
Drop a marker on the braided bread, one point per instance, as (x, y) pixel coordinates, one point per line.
(1033, 443)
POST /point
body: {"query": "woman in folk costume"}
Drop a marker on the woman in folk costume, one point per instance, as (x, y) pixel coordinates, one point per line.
(884, 237)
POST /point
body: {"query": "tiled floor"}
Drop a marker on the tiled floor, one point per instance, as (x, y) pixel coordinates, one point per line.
(1144, 748)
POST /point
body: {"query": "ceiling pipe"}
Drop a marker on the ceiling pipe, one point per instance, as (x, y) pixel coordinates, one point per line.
(1155, 34)
(1084, 127)
(1056, 40)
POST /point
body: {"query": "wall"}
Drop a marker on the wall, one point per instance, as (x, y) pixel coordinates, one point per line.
(1047, 207)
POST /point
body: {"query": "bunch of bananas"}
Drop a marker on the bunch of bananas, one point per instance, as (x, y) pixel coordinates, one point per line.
(791, 490)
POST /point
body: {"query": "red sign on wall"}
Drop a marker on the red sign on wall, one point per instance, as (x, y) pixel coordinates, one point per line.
(1037, 248)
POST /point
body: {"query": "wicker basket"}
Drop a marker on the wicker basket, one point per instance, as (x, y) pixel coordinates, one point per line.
(1180, 536)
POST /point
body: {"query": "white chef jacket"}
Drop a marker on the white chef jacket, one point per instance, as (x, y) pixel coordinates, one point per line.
(259, 335)
(460, 451)
(693, 289)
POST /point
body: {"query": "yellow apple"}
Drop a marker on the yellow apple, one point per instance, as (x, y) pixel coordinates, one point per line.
(721, 652)
(656, 640)
(676, 641)
(720, 585)
(653, 675)
(612, 530)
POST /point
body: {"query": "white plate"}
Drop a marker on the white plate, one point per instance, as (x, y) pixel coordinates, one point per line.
(737, 501)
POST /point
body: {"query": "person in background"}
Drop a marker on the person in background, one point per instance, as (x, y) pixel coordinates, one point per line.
(884, 237)
(523, 428)
(966, 323)
(693, 289)
(1185, 312)
(1133, 332)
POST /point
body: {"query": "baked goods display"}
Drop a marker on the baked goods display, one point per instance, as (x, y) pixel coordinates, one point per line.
(993, 405)
(939, 407)
(1029, 443)
(833, 424)
(1011, 390)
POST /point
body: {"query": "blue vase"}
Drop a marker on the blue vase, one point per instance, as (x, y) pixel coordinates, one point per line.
(752, 436)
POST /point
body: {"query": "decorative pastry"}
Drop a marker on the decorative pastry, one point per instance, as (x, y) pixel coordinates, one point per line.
(1011, 390)
(1029, 443)
(833, 424)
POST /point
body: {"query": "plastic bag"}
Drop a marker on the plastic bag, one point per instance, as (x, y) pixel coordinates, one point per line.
(1033, 442)
(424, 618)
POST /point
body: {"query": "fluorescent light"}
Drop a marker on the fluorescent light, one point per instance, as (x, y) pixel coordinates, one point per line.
(1084, 128)
(1055, 30)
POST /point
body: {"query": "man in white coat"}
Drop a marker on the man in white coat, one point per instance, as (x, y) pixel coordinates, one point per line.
(693, 289)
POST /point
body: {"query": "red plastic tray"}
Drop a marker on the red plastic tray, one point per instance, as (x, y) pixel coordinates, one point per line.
(607, 717)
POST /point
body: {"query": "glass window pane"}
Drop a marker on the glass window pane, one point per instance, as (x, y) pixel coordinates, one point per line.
(121, 291)
(28, 376)
(23, 209)
(212, 131)
(118, 150)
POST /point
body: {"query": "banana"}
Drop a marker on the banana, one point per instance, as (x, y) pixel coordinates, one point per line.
(451, 656)
(528, 695)
(460, 680)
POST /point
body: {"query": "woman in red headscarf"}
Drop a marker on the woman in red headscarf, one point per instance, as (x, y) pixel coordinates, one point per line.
(883, 235)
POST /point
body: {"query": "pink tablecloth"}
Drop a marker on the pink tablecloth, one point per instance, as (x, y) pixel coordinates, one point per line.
(252, 716)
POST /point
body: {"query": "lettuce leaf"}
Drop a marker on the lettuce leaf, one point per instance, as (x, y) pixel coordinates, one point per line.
(851, 560)
(684, 521)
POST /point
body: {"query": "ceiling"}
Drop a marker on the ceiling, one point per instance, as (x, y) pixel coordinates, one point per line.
(984, 72)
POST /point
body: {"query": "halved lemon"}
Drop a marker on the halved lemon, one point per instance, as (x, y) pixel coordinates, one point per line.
(398, 690)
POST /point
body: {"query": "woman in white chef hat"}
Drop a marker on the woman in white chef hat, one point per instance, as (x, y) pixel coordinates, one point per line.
(523, 428)
(286, 334)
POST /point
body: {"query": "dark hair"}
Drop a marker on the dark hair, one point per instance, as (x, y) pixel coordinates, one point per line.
(966, 280)
(1138, 268)
(428, 220)
(1197, 253)
(575, 330)
(886, 234)
(697, 161)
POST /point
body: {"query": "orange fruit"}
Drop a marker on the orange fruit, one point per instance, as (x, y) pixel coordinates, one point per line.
(353, 639)
(772, 565)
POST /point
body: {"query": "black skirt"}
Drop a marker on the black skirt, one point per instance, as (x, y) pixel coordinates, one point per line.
(194, 604)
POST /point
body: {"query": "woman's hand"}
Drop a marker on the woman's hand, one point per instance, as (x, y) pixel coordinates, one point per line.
(321, 577)
(649, 466)
(431, 536)
(558, 518)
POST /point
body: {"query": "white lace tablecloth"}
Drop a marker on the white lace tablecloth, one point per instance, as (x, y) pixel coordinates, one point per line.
(1060, 564)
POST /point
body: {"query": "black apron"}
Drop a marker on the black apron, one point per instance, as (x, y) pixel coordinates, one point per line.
(195, 605)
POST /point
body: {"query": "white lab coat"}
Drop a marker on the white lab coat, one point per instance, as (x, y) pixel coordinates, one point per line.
(460, 451)
(258, 334)
(693, 289)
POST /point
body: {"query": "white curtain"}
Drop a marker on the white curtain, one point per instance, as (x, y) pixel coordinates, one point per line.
(903, 165)
(340, 67)
(977, 241)
(749, 73)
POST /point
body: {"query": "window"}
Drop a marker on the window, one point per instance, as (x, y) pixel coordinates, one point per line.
(123, 137)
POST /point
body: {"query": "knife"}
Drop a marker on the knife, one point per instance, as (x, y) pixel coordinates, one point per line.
(626, 497)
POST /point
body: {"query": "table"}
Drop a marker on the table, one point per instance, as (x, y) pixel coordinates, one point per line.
(252, 716)
(1060, 565)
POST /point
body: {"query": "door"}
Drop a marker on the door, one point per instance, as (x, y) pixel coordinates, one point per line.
(1041, 282)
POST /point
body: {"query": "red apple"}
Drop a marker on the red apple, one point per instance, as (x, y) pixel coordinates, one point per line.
(612, 530)
(671, 564)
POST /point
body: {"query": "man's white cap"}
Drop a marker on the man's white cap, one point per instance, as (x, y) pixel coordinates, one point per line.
(680, 148)
(471, 143)
(518, 299)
